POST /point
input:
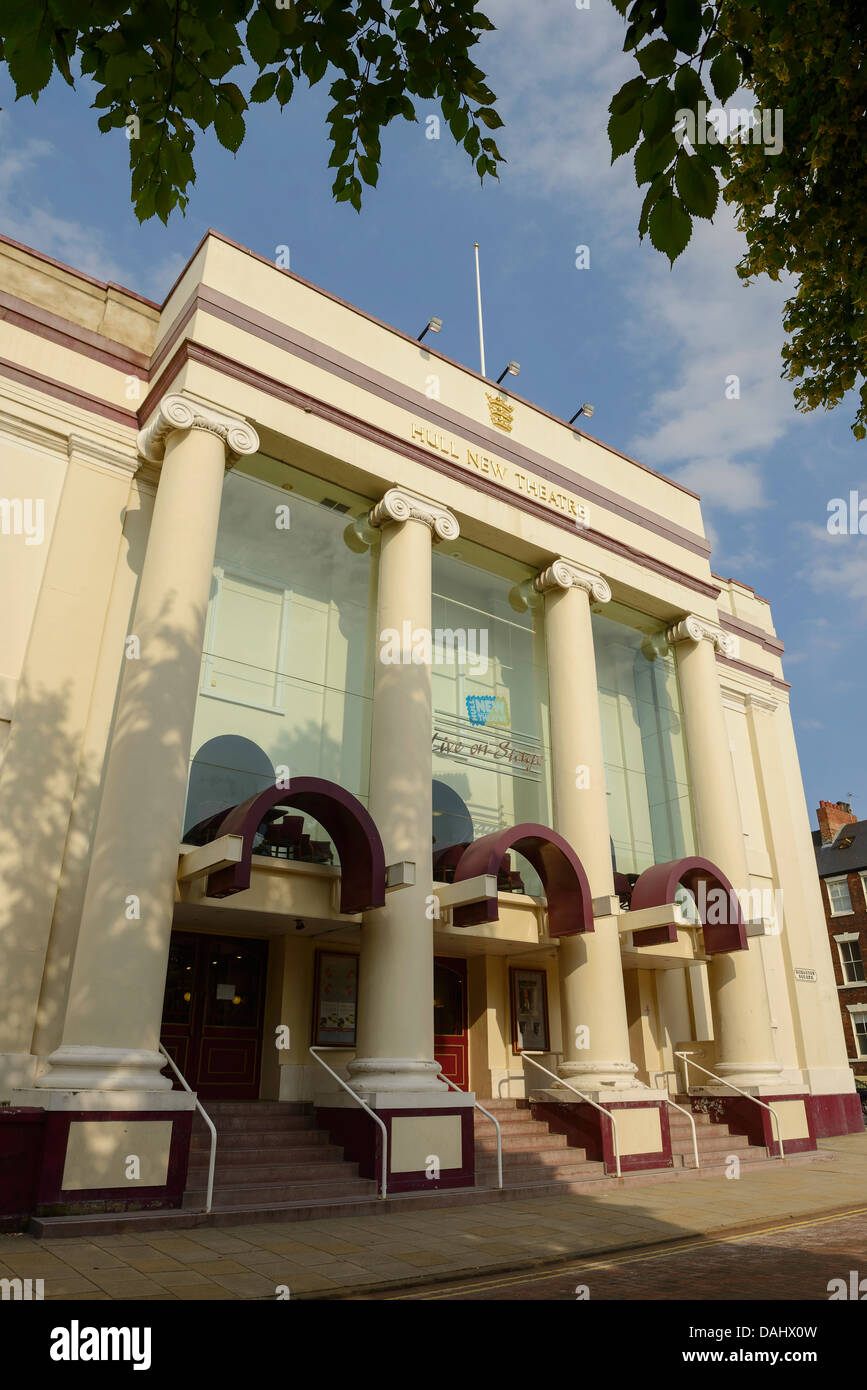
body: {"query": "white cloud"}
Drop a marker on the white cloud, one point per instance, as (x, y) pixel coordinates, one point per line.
(28, 217)
(835, 565)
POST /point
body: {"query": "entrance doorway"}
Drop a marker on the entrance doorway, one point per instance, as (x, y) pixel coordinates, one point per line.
(450, 1019)
(212, 1013)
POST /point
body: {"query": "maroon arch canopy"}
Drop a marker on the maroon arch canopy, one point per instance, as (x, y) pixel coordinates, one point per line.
(658, 885)
(570, 904)
(349, 825)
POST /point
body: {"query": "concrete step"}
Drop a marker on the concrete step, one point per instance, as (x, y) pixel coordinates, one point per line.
(542, 1139)
(270, 1194)
(256, 1123)
(552, 1157)
(711, 1143)
(229, 1159)
(239, 1141)
(256, 1107)
(259, 1174)
(518, 1122)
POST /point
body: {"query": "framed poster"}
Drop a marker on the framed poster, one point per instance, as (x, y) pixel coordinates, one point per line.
(529, 1010)
(335, 999)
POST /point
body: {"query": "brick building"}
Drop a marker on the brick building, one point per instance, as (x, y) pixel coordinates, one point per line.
(841, 857)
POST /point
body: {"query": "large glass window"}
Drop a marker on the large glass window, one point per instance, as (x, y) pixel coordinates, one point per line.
(491, 749)
(646, 776)
(287, 667)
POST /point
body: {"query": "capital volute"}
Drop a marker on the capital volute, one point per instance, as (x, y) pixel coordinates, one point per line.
(399, 504)
(695, 629)
(564, 574)
(182, 413)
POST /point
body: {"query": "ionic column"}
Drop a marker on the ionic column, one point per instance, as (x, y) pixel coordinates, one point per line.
(591, 977)
(116, 990)
(745, 1050)
(395, 1048)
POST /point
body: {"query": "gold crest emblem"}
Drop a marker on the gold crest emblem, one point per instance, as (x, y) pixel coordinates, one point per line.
(502, 412)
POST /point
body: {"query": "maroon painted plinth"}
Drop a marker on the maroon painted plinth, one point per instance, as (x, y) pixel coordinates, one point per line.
(361, 1141)
(745, 1117)
(585, 1128)
(840, 1114)
(22, 1137)
(53, 1200)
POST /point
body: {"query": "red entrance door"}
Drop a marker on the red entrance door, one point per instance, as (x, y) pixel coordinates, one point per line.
(450, 1019)
(212, 1013)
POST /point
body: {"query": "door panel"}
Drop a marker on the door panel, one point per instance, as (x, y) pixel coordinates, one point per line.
(451, 1048)
(212, 1014)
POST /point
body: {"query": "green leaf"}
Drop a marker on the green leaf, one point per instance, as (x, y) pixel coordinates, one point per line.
(406, 20)
(682, 24)
(696, 185)
(229, 126)
(632, 93)
(689, 88)
(264, 87)
(657, 58)
(368, 169)
(624, 131)
(314, 63)
(725, 74)
(459, 124)
(654, 193)
(670, 226)
(658, 113)
(263, 41)
(651, 159)
(490, 119)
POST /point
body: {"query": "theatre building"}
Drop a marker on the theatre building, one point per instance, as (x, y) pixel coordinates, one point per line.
(375, 745)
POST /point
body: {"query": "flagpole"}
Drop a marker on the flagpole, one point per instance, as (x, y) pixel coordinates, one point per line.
(479, 298)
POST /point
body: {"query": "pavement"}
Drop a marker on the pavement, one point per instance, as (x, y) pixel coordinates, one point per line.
(375, 1255)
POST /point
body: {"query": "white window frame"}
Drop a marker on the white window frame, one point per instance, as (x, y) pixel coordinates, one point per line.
(221, 573)
(844, 938)
(839, 878)
(856, 1009)
(863, 878)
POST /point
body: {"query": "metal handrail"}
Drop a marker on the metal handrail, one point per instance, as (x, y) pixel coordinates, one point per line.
(209, 1197)
(724, 1082)
(675, 1106)
(383, 1187)
(600, 1108)
(491, 1117)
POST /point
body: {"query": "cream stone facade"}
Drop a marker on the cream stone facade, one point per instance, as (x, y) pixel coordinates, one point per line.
(350, 702)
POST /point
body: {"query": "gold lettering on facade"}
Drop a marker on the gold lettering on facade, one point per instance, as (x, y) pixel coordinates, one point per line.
(538, 489)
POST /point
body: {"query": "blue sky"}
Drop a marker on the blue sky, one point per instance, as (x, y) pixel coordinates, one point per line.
(650, 347)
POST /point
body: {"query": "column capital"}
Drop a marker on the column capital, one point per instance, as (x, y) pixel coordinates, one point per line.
(564, 574)
(184, 413)
(399, 504)
(695, 629)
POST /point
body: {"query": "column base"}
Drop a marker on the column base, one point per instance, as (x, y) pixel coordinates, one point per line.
(596, 1075)
(394, 1074)
(80, 1067)
(746, 1074)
